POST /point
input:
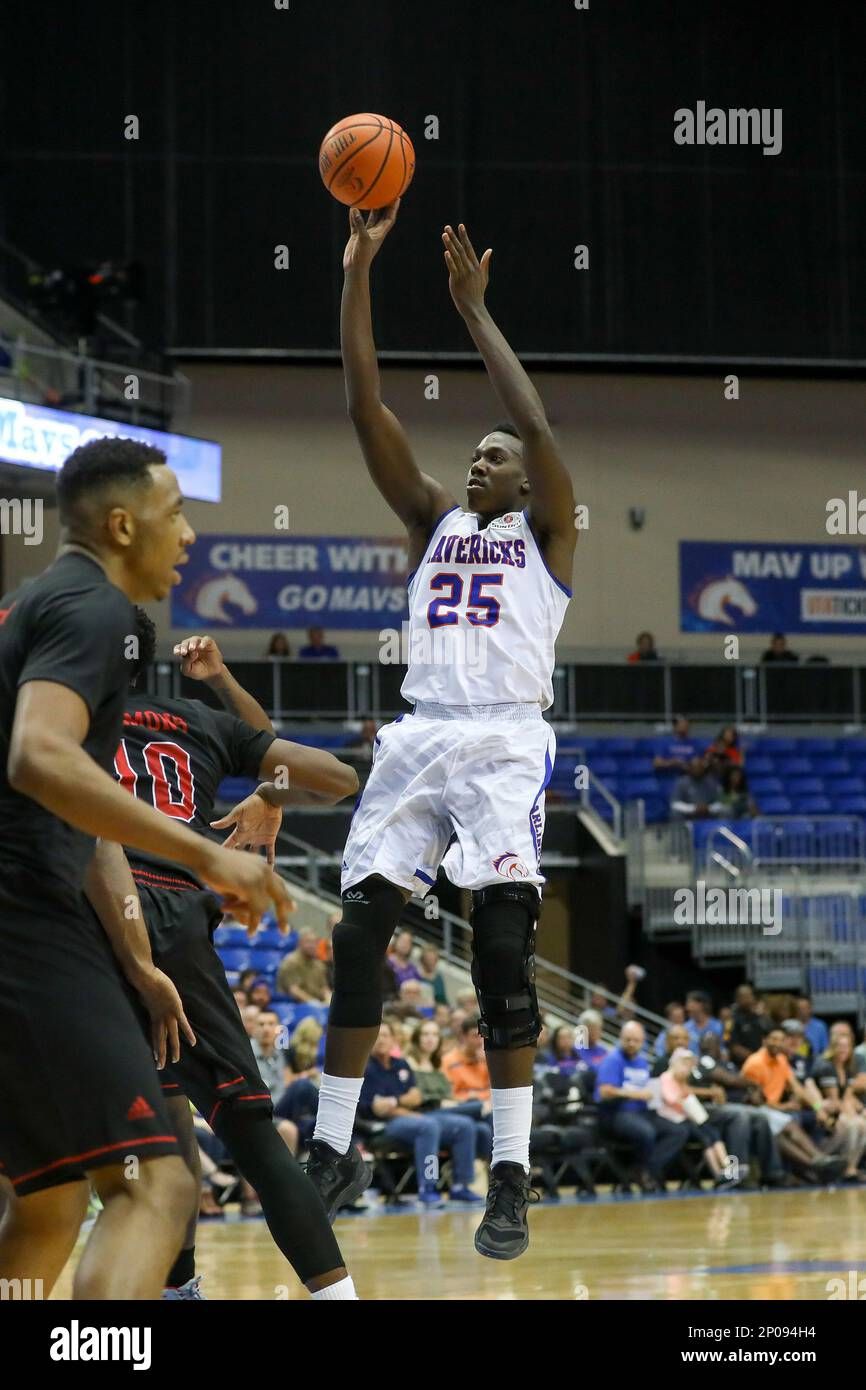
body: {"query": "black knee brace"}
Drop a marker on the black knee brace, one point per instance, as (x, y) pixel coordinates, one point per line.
(504, 919)
(371, 910)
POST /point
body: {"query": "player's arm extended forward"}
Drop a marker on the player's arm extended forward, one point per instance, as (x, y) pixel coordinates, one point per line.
(297, 775)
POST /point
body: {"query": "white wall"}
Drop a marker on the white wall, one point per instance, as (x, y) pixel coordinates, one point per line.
(760, 468)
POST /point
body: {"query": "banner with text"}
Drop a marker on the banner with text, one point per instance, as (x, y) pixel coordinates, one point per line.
(309, 581)
(772, 587)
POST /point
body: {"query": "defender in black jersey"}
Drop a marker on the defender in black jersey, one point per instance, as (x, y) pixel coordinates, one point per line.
(173, 754)
(80, 1101)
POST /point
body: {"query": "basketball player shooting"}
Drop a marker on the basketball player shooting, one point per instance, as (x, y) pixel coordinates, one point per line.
(460, 781)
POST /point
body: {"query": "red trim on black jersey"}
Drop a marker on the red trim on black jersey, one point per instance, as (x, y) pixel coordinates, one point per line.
(165, 880)
(128, 1144)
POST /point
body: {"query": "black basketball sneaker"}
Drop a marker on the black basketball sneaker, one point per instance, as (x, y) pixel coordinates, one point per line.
(504, 1230)
(339, 1179)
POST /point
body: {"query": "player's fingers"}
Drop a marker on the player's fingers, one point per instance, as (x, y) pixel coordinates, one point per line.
(173, 1039)
(452, 268)
(223, 822)
(467, 245)
(186, 1028)
(455, 247)
(158, 1036)
(271, 853)
(232, 841)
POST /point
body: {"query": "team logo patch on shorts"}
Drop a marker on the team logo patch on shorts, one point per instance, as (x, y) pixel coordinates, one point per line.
(510, 866)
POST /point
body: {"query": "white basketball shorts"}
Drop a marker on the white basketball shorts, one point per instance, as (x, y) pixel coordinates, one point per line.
(463, 789)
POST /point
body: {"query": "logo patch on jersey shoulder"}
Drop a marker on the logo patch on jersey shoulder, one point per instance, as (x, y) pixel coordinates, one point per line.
(509, 522)
(510, 866)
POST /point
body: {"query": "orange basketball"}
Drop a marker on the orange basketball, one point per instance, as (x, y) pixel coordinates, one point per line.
(366, 161)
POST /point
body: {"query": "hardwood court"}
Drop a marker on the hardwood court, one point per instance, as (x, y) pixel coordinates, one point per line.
(778, 1245)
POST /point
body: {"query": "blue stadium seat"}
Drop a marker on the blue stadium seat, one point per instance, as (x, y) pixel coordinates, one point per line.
(766, 786)
(230, 935)
(269, 935)
(316, 1011)
(264, 960)
(776, 806)
(795, 767)
(235, 957)
(655, 809)
(835, 767)
(634, 787)
(235, 788)
(846, 786)
(603, 767)
(812, 806)
(853, 747)
(760, 766)
(619, 746)
(803, 786)
(323, 738)
(776, 747)
(285, 1011)
(636, 767)
(850, 805)
(820, 746)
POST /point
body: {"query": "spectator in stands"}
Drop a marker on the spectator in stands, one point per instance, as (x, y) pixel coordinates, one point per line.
(700, 1019)
(260, 993)
(591, 1024)
(697, 794)
(778, 650)
(645, 648)
(562, 1055)
(731, 743)
(797, 1049)
(300, 1099)
(746, 1131)
(675, 753)
(317, 649)
(390, 1092)
(675, 1013)
(860, 1052)
(622, 1092)
(400, 958)
(784, 1097)
(836, 1077)
(814, 1028)
(748, 1026)
(737, 801)
(415, 1000)
(424, 1051)
(442, 1019)
(279, 646)
(246, 981)
(325, 949)
(676, 1101)
(466, 1066)
(302, 975)
(600, 1001)
(250, 1016)
(429, 972)
(675, 1036)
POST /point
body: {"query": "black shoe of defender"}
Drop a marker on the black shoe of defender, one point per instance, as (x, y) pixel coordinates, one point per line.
(339, 1179)
(504, 1232)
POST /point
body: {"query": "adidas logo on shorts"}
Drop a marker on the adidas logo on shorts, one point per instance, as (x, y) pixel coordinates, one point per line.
(139, 1110)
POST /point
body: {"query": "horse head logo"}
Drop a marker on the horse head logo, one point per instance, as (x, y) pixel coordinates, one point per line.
(215, 594)
(717, 597)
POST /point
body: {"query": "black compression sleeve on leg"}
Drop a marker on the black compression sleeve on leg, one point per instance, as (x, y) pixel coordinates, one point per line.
(293, 1210)
(371, 911)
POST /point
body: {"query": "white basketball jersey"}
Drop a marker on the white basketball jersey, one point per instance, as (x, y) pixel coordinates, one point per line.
(484, 615)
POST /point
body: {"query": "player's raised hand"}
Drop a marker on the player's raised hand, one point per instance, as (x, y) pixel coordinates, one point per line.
(467, 276)
(200, 658)
(162, 1001)
(256, 825)
(248, 886)
(366, 235)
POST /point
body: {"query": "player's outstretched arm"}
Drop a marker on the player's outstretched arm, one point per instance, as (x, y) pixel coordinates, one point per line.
(552, 501)
(299, 776)
(112, 893)
(417, 499)
(202, 660)
(47, 763)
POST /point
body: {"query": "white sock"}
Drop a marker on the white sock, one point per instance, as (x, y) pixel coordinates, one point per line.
(512, 1121)
(342, 1291)
(335, 1118)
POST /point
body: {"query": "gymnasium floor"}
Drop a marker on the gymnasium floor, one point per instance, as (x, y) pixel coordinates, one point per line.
(778, 1245)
